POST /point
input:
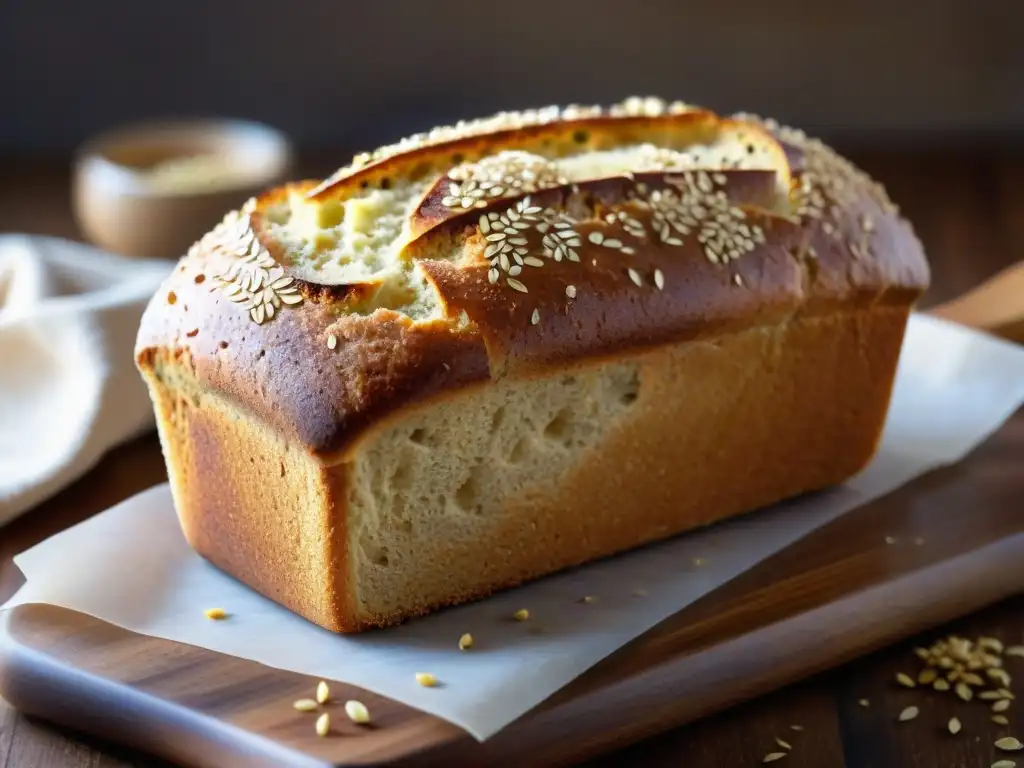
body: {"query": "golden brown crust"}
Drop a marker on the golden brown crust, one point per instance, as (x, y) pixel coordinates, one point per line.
(321, 372)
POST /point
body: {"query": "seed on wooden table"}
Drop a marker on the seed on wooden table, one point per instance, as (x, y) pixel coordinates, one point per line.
(905, 680)
(909, 714)
(1001, 706)
(954, 726)
(864, 703)
(783, 743)
(796, 727)
(1009, 744)
(990, 642)
(999, 675)
(1006, 694)
(1004, 764)
(941, 685)
(972, 679)
(323, 693)
(323, 724)
(1014, 650)
(990, 695)
(923, 653)
(927, 676)
(305, 705)
(1000, 720)
(357, 711)
(964, 691)
(771, 757)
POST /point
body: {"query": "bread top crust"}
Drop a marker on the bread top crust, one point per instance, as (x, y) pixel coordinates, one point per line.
(514, 245)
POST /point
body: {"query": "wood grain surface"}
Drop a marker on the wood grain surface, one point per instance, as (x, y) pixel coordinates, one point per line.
(968, 210)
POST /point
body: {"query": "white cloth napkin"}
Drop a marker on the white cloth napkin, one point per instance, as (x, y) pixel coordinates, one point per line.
(69, 391)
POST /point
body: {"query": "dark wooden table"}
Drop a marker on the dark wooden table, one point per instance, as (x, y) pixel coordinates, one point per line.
(968, 207)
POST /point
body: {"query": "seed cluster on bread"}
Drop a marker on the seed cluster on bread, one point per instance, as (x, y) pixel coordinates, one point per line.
(439, 341)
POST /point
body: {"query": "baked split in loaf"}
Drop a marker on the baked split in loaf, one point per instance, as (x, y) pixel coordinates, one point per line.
(518, 344)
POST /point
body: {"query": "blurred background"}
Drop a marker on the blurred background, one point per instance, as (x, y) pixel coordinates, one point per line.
(922, 92)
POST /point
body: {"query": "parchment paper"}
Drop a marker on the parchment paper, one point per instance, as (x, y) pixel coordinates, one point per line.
(131, 567)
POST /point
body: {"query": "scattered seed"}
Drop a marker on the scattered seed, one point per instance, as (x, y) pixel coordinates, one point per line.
(535, 317)
(864, 703)
(909, 714)
(972, 679)
(992, 643)
(990, 695)
(215, 614)
(332, 341)
(796, 727)
(1015, 650)
(783, 743)
(588, 599)
(890, 540)
(1004, 764)
(521, 615)
(738, 279)
(305, 705)
(999, 675)
(323, 724)
(771, 757)
(323, 693)
(570, 291)
(905, 680)
(357, 711)
(941, 684)
(465, 642)
(426, 679)
(954, 726)
(1009, 744)
(964, 691)
(923, 653)
(635, 277)
(927, 676)
(1006, 694)
(1001, 706)
(1000, 720)
(659, 279)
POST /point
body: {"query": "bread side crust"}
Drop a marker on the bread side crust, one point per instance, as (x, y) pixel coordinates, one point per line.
(251, 502)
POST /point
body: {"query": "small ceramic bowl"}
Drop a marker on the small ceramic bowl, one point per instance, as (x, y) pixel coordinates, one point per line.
(153, 189)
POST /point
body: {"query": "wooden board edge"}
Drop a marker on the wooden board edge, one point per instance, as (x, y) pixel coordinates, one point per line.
(41, 686)
(604, 718)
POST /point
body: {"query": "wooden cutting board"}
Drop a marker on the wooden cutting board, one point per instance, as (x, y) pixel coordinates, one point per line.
(946, 544)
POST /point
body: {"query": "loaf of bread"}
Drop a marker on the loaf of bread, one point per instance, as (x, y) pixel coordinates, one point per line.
(518, 344)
